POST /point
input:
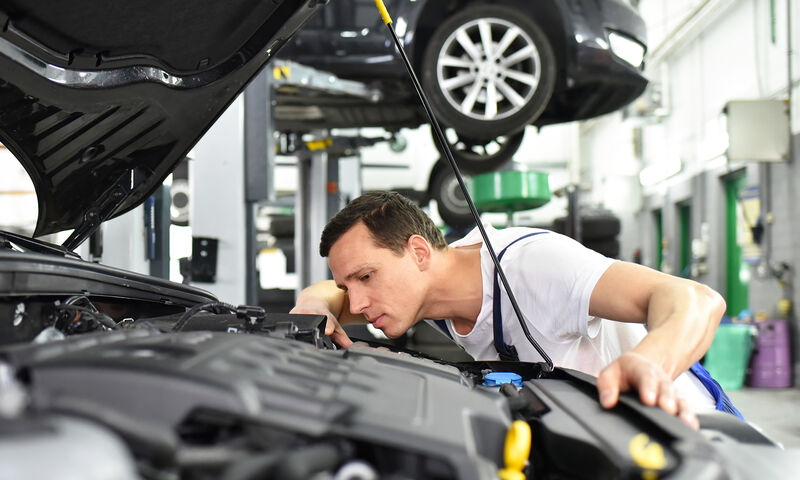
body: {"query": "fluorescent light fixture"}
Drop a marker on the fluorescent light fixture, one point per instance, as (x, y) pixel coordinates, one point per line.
(348, 34)
(626, 49)
(659, 171)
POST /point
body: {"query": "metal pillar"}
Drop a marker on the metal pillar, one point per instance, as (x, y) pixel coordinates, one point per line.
(259, 163)
(159, 263)
(573, 213)
(314, 206)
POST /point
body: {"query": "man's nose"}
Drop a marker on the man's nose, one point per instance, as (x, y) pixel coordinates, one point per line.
(358, 302)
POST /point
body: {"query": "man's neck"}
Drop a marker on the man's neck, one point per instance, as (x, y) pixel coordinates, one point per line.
(456, 288)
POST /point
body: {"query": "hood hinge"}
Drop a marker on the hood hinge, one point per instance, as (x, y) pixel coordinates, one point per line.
(102, 211)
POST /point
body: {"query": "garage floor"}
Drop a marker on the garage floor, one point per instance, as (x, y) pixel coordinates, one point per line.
(775, 411)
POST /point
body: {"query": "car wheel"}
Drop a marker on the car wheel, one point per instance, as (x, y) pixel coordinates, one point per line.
(449, 198)
(489, 71)
(480, 156)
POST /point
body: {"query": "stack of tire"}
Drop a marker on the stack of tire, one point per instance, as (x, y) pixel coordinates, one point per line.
(281, 228)
(599, 231)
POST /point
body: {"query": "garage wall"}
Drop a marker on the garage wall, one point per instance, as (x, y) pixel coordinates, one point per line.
(703, 54)
(609, 174)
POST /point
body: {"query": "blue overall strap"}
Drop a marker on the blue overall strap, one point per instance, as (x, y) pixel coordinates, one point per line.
(443, 326)
(724, 403)
(506, 352)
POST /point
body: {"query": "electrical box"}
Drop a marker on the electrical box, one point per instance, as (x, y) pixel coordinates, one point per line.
(758, 130)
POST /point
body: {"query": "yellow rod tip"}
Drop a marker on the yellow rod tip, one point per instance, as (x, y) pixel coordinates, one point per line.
(384, 13)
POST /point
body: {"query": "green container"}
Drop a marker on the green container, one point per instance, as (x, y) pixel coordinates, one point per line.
(509, 191)
(729, 355)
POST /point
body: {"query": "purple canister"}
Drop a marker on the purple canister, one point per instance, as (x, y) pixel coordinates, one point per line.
(771, 365)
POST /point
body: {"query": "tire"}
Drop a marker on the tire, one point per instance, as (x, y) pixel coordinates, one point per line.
(180, 195)
(480, 156)
(180, 202)
(598, 226)
(281, 226)
(449, 198)
(609, 247)
(460, 79)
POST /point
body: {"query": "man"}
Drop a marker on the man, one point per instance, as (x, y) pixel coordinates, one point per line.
(392, 268)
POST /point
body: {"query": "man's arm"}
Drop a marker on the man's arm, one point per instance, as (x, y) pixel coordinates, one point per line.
(325, 298)
(681, 316)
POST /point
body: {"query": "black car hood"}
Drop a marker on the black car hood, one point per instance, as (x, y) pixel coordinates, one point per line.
(100, 100)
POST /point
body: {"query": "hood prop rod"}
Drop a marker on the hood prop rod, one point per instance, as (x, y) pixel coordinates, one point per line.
(112, 199)
(446, 149)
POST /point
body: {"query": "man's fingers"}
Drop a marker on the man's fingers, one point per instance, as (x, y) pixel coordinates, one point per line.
(666, 396)
(608, 385)
(331, 325)
(341, 338)
(648, 386)
(686, 414)
(633, 371)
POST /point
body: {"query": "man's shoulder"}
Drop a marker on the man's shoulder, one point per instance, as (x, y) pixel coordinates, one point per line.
(502, 237)
(552, 252)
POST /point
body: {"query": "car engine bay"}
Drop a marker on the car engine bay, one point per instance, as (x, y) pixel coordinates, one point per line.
(107, 373)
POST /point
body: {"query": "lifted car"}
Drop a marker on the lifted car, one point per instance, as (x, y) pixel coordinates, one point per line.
(489, 68)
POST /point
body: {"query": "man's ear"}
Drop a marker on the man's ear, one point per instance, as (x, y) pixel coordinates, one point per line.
(420, 251)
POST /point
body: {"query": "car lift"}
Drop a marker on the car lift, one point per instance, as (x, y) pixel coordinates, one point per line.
(238, 158)
(318, 196)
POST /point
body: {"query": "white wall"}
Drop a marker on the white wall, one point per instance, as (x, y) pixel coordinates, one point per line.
(18, 207)
(218, 210)
(727, 55)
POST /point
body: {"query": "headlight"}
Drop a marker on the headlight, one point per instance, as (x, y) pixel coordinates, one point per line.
(626, 49)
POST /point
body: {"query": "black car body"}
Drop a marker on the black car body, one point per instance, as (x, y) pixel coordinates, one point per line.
(110, 374)
(574, 64)
(100, 101)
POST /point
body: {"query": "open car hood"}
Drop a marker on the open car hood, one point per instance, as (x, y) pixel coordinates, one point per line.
(100, 100)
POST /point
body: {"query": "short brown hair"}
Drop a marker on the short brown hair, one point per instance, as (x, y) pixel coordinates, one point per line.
(391, 219)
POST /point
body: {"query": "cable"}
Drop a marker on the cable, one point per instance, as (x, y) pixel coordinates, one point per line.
(199, 308)
(91, 314)
(440, 138)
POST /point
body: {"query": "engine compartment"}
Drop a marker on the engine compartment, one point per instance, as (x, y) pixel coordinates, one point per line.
(203, 404)
(106, 374)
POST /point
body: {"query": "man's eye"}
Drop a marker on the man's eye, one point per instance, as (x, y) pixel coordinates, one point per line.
(365, 276)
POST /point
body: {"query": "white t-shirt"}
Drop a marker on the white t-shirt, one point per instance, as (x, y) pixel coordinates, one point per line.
(552, 277)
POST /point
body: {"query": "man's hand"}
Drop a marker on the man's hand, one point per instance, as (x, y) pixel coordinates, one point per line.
(633, 371)
(332, 327)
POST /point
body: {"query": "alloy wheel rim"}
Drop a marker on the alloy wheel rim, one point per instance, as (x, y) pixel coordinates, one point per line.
(488, 69)
(475, 148)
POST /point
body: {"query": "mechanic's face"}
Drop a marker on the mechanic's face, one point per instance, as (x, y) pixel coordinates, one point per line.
(388, 289)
